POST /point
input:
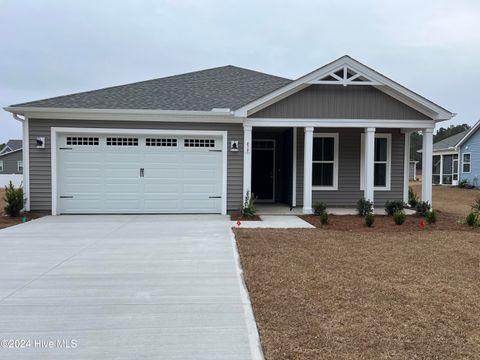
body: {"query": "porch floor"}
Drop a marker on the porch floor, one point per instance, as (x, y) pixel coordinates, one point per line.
(284, 209)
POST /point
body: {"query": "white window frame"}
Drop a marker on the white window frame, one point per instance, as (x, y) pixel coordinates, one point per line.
(19, 165)
(1, 165)
(466, 162)
(387, 187)
(334, 187)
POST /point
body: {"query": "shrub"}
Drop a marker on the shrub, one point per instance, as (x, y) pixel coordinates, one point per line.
(399, 217)
(392, 207)
(412, 197)
(369, 219)
(14, 200)
(248, 208)
(364, 207)
(324, 218)
(423, 207)
(462, 184)
(476, 205)
(472, 219)
(319, 208)
(431, 217)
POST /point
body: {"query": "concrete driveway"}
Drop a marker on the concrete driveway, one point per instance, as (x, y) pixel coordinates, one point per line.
(123, 287)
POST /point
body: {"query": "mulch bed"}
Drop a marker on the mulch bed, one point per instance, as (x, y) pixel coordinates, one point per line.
(385, 224)
(234, 216)
(321, 294)
(6, 221)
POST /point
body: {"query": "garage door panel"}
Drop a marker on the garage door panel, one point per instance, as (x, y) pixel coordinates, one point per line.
(107, 179)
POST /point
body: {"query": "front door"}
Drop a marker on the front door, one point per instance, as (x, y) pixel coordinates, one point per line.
(263, 169)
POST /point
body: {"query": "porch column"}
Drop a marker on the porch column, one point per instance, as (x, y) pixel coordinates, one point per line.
(369, 163)
(307, 171)
(441, 169)
(406, 166)
(247, 160)
(427, 164)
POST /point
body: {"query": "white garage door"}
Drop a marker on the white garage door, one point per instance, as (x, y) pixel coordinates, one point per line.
(139, 173)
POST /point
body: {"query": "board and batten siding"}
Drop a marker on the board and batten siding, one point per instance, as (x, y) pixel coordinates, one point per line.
(340, 102)
(40, 159)
(349, 157)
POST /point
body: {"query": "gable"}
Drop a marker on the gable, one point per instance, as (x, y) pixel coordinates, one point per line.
(340, 102)
(473, 141)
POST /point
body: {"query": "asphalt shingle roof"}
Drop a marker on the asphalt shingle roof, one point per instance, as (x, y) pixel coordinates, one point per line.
(449, 142)
(222, 87)
(14, 144)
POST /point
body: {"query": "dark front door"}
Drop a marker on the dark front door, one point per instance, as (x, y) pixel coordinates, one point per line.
(263, 169)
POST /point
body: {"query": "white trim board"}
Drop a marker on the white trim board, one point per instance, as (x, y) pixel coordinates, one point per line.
(55, 131)
(341, 123)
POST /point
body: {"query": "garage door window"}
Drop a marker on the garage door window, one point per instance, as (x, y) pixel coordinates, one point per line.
(117, 141)
(164, 142)
(209, 143)
(82, 140)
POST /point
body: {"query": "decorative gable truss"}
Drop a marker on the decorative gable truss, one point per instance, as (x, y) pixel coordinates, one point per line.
(345, 76)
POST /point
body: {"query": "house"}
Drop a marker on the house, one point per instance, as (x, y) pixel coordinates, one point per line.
(11, 163)
(457, 158)
(413, 170)
(199, 142)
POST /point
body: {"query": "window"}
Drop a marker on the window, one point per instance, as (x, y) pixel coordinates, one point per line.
(381, 162)
(467, 162)
(114, 141)
(161, 142)
(199, 143)
(1, 165)
(325, 162)
(75, 140)
(20, 166)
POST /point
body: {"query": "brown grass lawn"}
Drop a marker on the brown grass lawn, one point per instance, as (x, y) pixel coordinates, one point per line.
(322, 294)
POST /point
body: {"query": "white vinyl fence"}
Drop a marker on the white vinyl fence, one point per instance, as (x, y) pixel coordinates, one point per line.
(16, 179)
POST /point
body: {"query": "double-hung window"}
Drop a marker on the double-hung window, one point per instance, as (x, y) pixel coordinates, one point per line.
(467, 162)
(325, 161)
(382, 162)
(20, 166)
(1, 165)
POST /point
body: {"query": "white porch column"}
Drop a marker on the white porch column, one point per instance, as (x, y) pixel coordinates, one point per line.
(441, 169)
(247, 160)
(307, 171)
(369, 163)
(427, 163)
(406, 166)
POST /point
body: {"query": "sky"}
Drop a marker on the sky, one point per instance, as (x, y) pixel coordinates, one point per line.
(51, 48)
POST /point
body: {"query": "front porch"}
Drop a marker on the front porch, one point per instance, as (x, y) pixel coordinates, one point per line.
(289, 169)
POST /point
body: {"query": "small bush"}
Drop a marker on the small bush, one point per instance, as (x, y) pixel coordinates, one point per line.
(412, 197)
(319, 208)
(423, 207)
(14, 200)
(369, 219)
(392, 207)
(476, 205)
(472, 219)
(364, 207)
(248, 207)
(462, 184)
(431, 217)
(399, 217)
(324, 218)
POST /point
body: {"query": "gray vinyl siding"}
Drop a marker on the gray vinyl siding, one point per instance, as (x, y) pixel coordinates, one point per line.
(340, 102)
(40, 159)
(10, 162)
(349, 191)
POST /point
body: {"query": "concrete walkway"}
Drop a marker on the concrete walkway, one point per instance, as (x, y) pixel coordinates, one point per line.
(124, 287)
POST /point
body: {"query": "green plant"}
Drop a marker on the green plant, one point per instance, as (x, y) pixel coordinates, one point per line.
(412, 197)
(399, 217)
(369, 219)
(248, 207)
(423, 207)
(462, 184)
(319, 208)
(392, 207)
(472, 219)
(14, 200)
(476, 205)
(324, 218)
(364, 207)
(431, 216)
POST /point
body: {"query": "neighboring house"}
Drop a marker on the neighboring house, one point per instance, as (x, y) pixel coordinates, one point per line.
(11, 163)
(458, 158)
(199, 142)
(413, 170)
